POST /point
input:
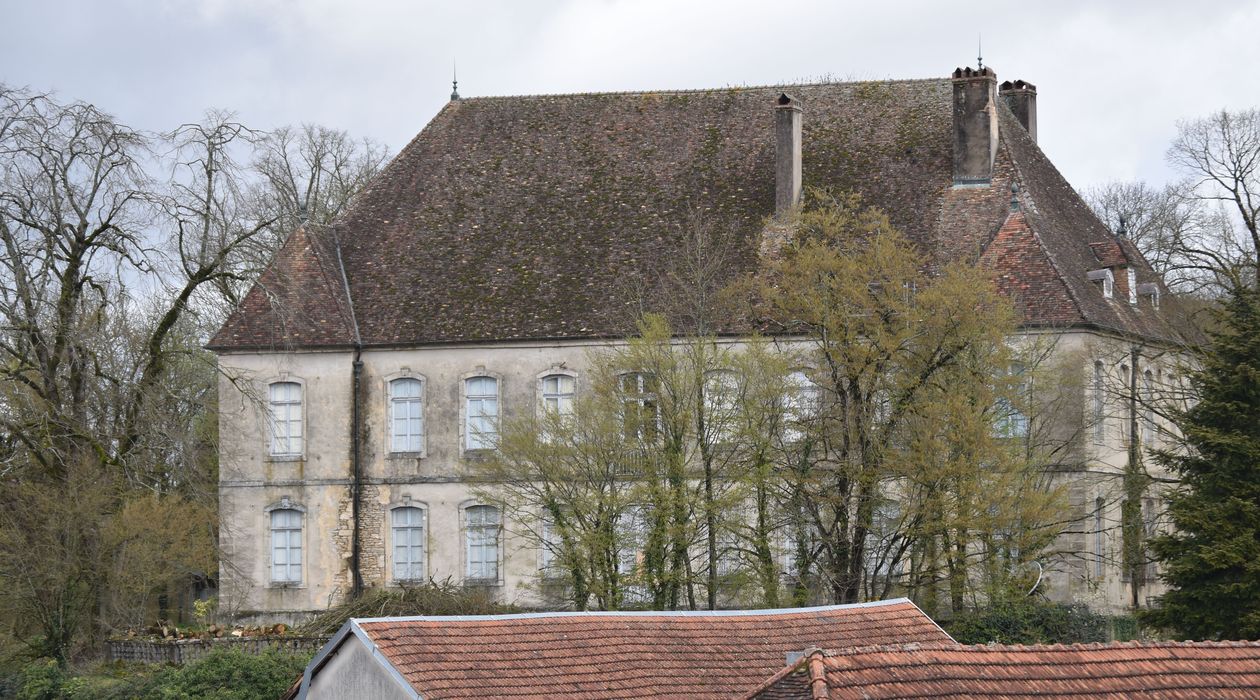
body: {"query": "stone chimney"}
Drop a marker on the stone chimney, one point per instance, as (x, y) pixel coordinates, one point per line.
(975, 126)
(1021, 97)
(787, 153)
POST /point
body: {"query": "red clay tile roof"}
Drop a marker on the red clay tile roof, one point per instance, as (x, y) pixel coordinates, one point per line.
(626, 655)
(1154, 671)
(538, 217)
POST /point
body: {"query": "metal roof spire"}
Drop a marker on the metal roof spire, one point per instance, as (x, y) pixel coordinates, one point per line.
(979, 53)
(454, 82)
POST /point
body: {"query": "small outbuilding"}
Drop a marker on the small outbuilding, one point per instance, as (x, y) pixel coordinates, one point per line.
(594, 655)
(1152, 671)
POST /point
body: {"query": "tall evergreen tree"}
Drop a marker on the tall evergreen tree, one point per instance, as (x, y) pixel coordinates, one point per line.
(1211, 559)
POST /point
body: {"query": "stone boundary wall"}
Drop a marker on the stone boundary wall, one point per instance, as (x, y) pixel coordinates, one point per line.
(182, 651)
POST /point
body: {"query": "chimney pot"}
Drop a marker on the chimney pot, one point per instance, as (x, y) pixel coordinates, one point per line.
(787, 153)
(1021, 97)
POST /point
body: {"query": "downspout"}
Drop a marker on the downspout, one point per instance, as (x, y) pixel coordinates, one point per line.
(356, 430)
(356, 482)
(1134, 488)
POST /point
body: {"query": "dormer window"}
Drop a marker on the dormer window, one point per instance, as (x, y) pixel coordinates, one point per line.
(1132, 279)
(1150, 289)
(1106, 279)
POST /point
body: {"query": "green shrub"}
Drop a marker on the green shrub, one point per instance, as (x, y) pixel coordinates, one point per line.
(1031, 622)
(41, 679)
(228, 675)
(220, 675)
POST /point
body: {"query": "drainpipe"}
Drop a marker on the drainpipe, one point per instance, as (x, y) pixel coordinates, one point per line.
(1134, 487)
(356, 483)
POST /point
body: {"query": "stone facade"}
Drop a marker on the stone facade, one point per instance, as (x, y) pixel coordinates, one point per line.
(1084, 568)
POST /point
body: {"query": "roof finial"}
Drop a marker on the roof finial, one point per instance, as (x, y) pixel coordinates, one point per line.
(454, 82)
(1014, 196)
(1123, 230)
(979, 53)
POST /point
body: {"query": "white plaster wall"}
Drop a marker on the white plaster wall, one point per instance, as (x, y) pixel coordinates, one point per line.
(353, 673)
(250, 480)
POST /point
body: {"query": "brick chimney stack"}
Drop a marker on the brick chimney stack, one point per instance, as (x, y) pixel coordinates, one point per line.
(975, 125)
(787, 153)
(1021, 97)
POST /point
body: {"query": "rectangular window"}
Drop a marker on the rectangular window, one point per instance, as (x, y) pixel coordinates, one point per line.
(406, 415)
(1148, 409)
(482, 543)
(721, 400)
(286, 419)
(1100, 404)
(1100, 551)
(481, 429)
(1011, 422)
(640, 417)
(548, 560)
(557, 394)
(630, 535)
(286, 546)
(408, 530)
(1150, 528)
(800, 405)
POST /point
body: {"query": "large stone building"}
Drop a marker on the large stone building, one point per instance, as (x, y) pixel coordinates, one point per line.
(470, 279)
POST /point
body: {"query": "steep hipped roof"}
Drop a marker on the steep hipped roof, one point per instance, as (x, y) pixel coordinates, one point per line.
(543, 216)
(1158, 671)
(596, 656)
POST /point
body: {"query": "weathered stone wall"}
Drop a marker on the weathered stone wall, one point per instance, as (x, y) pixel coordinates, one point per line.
(183, 651)
(434, 479)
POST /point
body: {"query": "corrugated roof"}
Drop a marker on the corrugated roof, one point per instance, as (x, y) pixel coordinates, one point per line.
(626, 655)
(541, 217)
(1152, 670)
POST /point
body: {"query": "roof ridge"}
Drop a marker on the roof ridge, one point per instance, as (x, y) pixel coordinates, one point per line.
(769, 612)
(1026, 648)
(697, 91)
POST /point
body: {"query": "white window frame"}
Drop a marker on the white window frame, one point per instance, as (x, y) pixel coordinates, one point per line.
(1099, 390)
(1147, 422)
(546, 395)
(465, 418)
(272, 422)
(640, 398)
(284, 505)
(391, 405)
(1100, 533)
(722, 404)
(549, 543)
(393, 528)
(1124, 418)
(471, 529)
(801, 402)
(1011, 422)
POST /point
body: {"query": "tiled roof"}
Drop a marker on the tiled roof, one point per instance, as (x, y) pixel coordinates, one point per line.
(1154, 671)
(543, 216)
(300, 299)
(626, 655)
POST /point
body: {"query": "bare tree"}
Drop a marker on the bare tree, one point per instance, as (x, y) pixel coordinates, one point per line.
(109, 282)
(1221, 155)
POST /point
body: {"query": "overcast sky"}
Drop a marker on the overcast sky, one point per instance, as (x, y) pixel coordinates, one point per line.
(1113, 78)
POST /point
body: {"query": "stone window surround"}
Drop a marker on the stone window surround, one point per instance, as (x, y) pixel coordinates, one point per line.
(286, 503)
(555, 369)
(463, 542)
(388, 432)
(284, 376)
(405, 501)
(479, 371)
